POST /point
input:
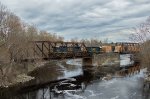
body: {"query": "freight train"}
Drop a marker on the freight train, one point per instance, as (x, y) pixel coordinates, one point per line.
(120, 48)
(65, 49)
(104, 49)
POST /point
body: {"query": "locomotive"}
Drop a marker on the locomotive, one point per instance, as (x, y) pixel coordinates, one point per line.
(65, 49)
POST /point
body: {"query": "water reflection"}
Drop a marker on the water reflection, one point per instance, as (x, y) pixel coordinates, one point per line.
(55, 70)
(126, 59)
(86, 83)
(71, 68)
(47, 73)
(116, 88)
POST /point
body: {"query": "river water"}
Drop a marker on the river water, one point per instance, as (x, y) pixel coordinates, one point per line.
(117, 88)
(85, 87)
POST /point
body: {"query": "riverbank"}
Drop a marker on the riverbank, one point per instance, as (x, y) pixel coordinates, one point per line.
(54, 72)
(14, 73)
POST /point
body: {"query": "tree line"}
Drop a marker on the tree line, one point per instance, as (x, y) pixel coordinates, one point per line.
(15, 36)
(88, 42)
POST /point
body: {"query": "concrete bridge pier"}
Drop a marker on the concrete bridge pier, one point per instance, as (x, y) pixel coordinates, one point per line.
(88, 61)
(87, 66)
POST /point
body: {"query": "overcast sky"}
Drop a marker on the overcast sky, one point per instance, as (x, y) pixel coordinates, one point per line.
(101, 19)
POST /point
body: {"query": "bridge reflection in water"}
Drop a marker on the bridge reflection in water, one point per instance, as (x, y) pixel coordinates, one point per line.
(86, 86)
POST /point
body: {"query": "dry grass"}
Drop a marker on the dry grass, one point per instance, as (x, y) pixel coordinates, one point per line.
(145, 55)
(9, 73)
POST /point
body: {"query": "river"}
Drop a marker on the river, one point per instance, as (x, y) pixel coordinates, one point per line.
(85, 87)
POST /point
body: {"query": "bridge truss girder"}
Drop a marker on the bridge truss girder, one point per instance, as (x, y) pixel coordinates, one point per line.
(46, 50)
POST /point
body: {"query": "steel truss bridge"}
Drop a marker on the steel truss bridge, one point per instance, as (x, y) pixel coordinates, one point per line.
(60, 50)
(48, 50)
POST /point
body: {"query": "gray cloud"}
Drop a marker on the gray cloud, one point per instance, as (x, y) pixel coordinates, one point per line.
(112, 19)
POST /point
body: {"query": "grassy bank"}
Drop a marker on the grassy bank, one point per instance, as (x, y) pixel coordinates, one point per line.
(11, 74)
(145, 55)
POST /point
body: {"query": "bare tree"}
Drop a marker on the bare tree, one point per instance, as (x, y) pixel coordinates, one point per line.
(92, 42)
(3, 23)
(15, 43)
(141, 34)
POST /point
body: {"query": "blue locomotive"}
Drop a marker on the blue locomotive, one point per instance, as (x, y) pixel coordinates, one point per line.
(65, 49)
(60, 49)
(93, 50)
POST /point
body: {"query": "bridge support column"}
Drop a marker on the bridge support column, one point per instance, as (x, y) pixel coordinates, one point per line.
(87, 61)
(87, 66)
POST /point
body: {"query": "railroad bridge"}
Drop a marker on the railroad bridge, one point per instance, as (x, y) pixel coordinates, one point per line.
(48, 50)
(63, 50)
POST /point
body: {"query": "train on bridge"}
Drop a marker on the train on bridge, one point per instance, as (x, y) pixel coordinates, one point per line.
(48, 50)
(59, 50)
(65, 49)
(62, 50)
(106, 48)
(121, 47)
